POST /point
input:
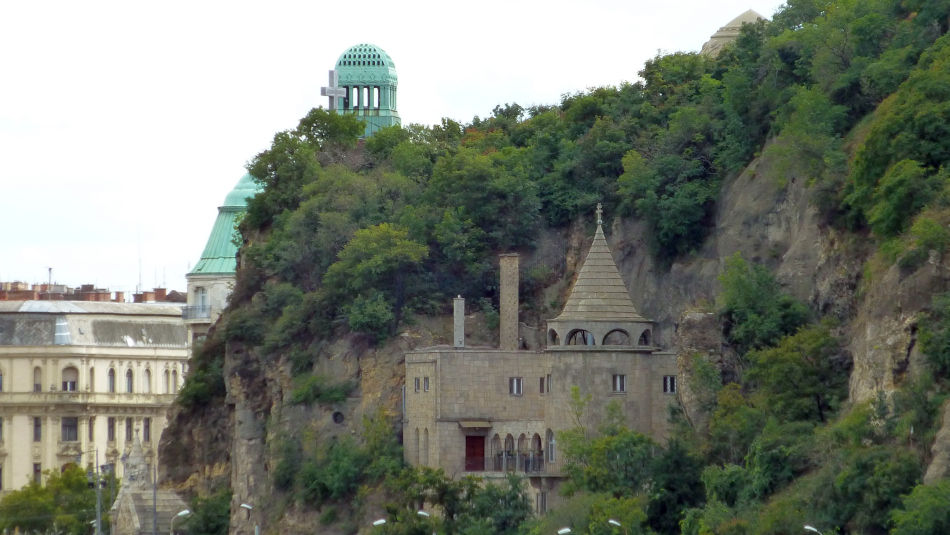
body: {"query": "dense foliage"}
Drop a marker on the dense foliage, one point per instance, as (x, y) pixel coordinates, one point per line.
(849, 97)
(63, 503)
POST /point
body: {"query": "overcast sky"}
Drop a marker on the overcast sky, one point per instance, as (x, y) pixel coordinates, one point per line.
(123, 125)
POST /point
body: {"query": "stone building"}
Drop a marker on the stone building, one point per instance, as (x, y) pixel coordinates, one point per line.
(211, 280)
(486, 411)
(729, 32)
(80, 378)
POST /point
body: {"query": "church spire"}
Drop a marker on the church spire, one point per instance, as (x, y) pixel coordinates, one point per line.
(599, 303)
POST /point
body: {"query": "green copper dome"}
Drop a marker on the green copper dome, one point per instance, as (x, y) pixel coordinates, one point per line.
(219, 255)
(246, 187)
(368, 78)
(367, 59)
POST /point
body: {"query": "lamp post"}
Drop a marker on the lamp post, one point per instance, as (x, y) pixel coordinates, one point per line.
(563, 531)
(810, 528)
(379, 522)
(614, 523)
(257, 528)
(95, 479)
(183, 513)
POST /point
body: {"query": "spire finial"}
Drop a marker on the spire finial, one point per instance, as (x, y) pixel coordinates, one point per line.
(600, 215)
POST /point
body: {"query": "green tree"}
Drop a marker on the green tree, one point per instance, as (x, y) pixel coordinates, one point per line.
(754, 309)
(64, 503)
(924, 511)
(804, 377)
(377, 258)
(210, 515)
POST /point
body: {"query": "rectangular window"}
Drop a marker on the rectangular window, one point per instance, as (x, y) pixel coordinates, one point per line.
(542, 385)
(37, 429)
(38, 473)
(542, 503)
(1, 432)
(416, 384)
(620, 383)
(547, 384)
(1, 382)
(1, 478)
(515, 385)
(70, 428)
(69, 386)
(147, 429)
(128, 430)
(92, 429)
(669, 384)
(110, 429)
(425, 384)
(37, 387)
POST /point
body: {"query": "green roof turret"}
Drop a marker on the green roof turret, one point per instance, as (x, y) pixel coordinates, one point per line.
(367, 76)
(219, 255)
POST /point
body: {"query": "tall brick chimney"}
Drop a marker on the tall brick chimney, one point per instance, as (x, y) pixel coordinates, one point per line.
(508, 302)
(459, 323)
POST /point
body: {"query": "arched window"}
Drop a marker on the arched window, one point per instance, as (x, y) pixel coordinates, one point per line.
(580, 337)
(37, 379)
(617, 337)
(522, 443)
(128, 381)
(112, 380)
(645, 338)
(509, 444)
(174, 381)
(92, 379)
(165, 382)
(70, 379)
(552, 447)
(147, 381)
(425, 447)
(416, 450)
(496, 452)
(553, 338)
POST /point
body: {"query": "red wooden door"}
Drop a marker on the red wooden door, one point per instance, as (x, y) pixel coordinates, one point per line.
(474, 454)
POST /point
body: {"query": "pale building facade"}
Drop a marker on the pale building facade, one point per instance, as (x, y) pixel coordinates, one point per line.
(81, 378)
(212, 279)
(486, 412)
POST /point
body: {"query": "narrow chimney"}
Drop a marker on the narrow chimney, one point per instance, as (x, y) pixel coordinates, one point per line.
(509, 302)
(160, 294)
(459, 321)
(120, 297)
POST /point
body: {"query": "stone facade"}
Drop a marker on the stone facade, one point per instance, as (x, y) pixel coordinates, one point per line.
(487, 411)
(78, 378)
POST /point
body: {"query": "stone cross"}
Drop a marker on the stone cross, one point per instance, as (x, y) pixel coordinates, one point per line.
(600, 214)
(333, 91)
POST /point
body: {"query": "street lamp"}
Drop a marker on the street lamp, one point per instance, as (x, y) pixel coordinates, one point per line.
(257, 527)
(563, 531)
(809, 528)
(613, 522)
(379, 522)
(183, 513)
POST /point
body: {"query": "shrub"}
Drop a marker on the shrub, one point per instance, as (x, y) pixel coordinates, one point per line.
(924, 511)
(756, 312)
(316, 389)
(371, 314)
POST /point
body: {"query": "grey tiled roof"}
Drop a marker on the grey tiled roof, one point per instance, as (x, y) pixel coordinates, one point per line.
(599, 293)
(34, 323)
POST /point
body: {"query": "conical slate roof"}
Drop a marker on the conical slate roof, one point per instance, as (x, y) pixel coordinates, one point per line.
(599, 293)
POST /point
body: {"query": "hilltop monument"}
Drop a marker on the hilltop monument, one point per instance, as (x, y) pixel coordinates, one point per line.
(729, 32)
(363, 83)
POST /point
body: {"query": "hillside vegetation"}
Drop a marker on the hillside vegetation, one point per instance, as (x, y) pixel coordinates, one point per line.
(355, 240)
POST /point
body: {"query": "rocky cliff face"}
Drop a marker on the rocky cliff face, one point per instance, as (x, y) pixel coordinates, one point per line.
(767, 220)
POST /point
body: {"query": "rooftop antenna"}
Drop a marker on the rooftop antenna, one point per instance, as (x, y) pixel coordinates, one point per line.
(138, 235)
(49, 287)
(164, 280)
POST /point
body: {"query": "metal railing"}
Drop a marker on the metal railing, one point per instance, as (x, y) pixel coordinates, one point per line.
(196, 312)
(524, 463)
